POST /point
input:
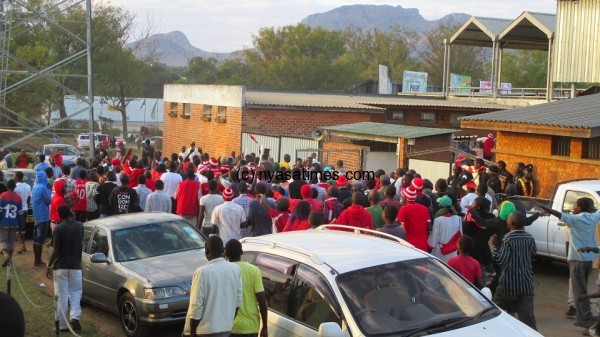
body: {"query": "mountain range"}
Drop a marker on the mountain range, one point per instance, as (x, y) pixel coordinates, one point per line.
(174, 49)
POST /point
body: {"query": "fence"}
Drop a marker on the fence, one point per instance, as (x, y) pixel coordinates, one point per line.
(278, 145)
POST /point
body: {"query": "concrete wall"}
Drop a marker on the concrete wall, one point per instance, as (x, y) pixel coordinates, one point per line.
(548, 169)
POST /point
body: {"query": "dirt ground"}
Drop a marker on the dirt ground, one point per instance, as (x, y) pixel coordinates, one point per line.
(551, 283)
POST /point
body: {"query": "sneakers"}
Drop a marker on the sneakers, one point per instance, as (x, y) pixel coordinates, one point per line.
(40, 265)
(75, 325)
(572, 312)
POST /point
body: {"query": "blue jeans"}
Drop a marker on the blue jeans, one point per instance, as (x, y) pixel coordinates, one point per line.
(40, 231)
(580, 273)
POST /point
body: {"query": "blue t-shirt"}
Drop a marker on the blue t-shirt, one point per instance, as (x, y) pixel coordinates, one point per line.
(583, 234)
(11, 208)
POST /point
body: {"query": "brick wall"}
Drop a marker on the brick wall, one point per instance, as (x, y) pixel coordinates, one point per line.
(430, 143)
(352, 160)
(293, 123)
(213, 137)
(547, 169)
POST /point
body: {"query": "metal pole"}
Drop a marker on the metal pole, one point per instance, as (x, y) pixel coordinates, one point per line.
(88, 19)
(445, 65)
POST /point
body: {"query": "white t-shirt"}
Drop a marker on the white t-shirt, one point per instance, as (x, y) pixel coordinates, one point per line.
(23, 190)
(210, 202)
(171, 180)
(228, 217)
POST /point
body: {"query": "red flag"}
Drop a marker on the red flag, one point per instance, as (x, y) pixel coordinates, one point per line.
(254, 139)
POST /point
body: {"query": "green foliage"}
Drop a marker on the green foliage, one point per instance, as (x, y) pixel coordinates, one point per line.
(525, 68)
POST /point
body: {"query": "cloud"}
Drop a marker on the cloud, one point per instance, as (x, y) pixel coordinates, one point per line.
(229, 25)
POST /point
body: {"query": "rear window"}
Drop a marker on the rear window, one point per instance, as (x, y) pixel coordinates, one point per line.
(84, 137)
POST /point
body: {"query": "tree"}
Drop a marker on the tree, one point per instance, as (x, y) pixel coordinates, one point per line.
(464, 60)
(201, 70)
(297, 58)
(525, 68)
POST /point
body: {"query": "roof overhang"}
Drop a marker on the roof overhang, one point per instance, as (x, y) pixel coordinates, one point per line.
(478, 31)
(531, 128)
(360, 136)
(527, 32)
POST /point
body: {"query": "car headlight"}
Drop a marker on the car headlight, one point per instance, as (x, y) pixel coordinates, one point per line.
(164, 292)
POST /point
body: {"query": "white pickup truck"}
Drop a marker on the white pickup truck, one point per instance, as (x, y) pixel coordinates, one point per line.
(549, 232)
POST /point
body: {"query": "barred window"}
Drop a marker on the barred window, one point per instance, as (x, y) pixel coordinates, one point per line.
(591, 148)
(561, 146)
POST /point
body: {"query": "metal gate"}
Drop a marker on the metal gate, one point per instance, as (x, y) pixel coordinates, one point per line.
(278, 145)
(432, 170)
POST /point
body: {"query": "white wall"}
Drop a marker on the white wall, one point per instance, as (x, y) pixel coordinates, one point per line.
(387, 161)
(222, 95)
(428, 169)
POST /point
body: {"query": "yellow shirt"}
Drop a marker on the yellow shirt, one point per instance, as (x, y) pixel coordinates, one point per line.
(284, 165)
(247, 320)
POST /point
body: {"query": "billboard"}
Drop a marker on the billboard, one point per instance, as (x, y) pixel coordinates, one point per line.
(485, 87)
(505, 88)
(460, 83)
(414, 81)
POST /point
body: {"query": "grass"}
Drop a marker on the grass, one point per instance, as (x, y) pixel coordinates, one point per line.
(39, 322)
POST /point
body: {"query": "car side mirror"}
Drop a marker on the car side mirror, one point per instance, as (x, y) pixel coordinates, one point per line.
(330, 329)
(99, 258)
(487, 293)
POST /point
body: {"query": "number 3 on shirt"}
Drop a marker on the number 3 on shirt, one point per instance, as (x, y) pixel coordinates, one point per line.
(11, 211)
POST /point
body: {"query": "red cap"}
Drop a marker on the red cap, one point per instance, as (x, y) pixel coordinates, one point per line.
(228, 194)
(306, 191)
(417, 184)
(213, 161)
(341, 181)
(471, 185)
(410, 193)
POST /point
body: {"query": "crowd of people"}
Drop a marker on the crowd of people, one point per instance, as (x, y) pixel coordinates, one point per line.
(473, 220)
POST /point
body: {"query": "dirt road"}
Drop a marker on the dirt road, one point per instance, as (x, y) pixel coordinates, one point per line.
(551, 282)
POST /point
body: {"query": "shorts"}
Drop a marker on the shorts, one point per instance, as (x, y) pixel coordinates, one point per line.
(40, 232)
(7, 239)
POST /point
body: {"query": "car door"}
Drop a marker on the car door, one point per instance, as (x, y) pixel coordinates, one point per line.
(102, 278)
(313, 303)
(560, 232)
(88, 290)
(277, 274)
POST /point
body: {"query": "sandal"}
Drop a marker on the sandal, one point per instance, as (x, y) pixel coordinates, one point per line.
(22, 250)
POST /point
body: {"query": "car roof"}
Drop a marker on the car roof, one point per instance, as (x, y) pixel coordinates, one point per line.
(59, 145)
(117, 222)
(342, 251)
(24, 170)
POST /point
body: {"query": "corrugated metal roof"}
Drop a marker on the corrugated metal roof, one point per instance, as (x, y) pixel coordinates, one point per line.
(529, 31)
(480, 31)
(388, 130)
(365, 103)
(580, 112)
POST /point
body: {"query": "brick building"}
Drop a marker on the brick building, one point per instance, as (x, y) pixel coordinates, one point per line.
(220, 118)
(561, 139)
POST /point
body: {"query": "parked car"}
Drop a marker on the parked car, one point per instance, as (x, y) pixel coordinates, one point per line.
(120, 139)
(549, 232)
(83, 140)
(331, 283)
(69, 152)
(140, 266)
(29, 177)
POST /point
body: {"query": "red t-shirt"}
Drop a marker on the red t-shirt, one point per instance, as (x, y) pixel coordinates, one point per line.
(467, 266)
(488, 145)
(414, 217)
(315, 205)
(81, 204)
(282, 221)
(297, 225)
(151, 184)
(186, 196)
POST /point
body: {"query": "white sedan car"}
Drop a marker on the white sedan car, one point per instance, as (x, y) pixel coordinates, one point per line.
(332, 283)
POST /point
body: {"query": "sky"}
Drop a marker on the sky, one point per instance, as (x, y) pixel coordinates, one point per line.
(226, 26)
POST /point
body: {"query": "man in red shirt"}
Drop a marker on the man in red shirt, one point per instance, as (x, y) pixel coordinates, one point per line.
(488, 145)
(415, 219)
(307, 192)
(187, 195)
(357, 216)
(80, 207)
(464, 264)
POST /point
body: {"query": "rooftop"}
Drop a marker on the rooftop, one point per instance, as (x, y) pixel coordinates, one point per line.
(391, 131)
(365, 103)
(578, 113)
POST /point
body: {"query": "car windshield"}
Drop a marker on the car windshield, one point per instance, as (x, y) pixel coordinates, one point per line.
(155, 239)
(406, 297)
(66, 150)
(28, 177)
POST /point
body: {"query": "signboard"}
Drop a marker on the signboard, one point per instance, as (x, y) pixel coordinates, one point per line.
(485, 87)
(460, 83)
(505, 88)
(414, 81)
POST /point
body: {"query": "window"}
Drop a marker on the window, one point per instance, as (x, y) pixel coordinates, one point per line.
(454, 118)
(427, 117)
(572, 196)
(207, 113)
(87, 233)
(222, 114)
(186, 110)
(591, 148)
(99, 242)
(277, 280)
(561, 146)
(173, 110)
(395, 116)
(312, 299)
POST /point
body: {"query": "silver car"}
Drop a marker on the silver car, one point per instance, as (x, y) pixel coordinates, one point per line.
(139, 266)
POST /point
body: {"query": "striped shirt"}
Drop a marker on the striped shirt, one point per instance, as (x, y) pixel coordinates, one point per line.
(515, 255)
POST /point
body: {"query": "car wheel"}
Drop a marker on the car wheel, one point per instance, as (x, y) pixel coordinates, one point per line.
(130, 317)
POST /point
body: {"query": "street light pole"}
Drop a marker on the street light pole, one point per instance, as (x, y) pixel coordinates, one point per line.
(88, 19)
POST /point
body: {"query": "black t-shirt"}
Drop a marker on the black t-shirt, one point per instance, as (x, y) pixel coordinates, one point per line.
(124, 200)
(103, 196)
(67, 240)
